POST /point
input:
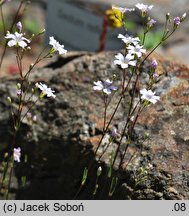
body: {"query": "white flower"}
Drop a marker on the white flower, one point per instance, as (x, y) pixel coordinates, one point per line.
(123, 10)
(45, 90)
(128, 39)
(17, 154)
(105, 86)
(144, 8)
(149, 96)
(17, 39)
(56, 46)
(136, 50)
(124, 61)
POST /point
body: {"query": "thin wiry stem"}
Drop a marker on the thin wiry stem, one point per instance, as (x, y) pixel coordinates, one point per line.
(3, 20)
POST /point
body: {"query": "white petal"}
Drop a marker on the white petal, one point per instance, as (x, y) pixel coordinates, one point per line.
(22, 44)
(123, 65)
(150, 7)
(11, 43)
(129, 56)
(133, 63)
(120, 36)
(107, 91)
(28, 41)
(10, 36)
(108, 82)
(62, 51)
(139, 54)
(143, 91)
(52, 40)
(98, 83)
(157, 97)
(153, 100)
(117, 62)
(119, 56)
(97, 88)
(113, 88)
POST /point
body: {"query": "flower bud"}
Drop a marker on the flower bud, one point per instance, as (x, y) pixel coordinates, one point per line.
(28, 48)
(19, 26)
(31, 66)
(18, 85)
(168, 16)
(114, 132)
(154, 64)
(183, 17)
(146, 135)
(32, 90)
(34, 118)
(151, 23)
(19, 92)
(29, 115)
(42, 32)
(99, 171)
(177, 21)
(155, 76)
(9, 100)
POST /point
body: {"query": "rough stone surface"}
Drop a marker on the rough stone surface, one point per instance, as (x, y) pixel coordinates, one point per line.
(68, 128)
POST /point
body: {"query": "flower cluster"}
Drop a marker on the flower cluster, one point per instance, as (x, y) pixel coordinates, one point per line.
(142, 7)
(134, 50)
(123, 10)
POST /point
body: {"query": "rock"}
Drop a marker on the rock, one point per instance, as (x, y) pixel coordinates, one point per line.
(62, 142)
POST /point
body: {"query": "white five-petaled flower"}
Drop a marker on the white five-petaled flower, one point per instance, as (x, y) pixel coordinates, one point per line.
(106, 86)
(136, 50)
(124, 61)
(45, 90)
(144, 8)
(17, 154)
(128, 39)
(56, 46)
(149, 96)
(123, 10)
(17, 39)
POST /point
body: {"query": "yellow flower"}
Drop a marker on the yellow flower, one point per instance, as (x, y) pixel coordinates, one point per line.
(115, 18)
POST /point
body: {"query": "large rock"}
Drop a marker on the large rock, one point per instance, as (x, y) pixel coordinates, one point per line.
(68, 129)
